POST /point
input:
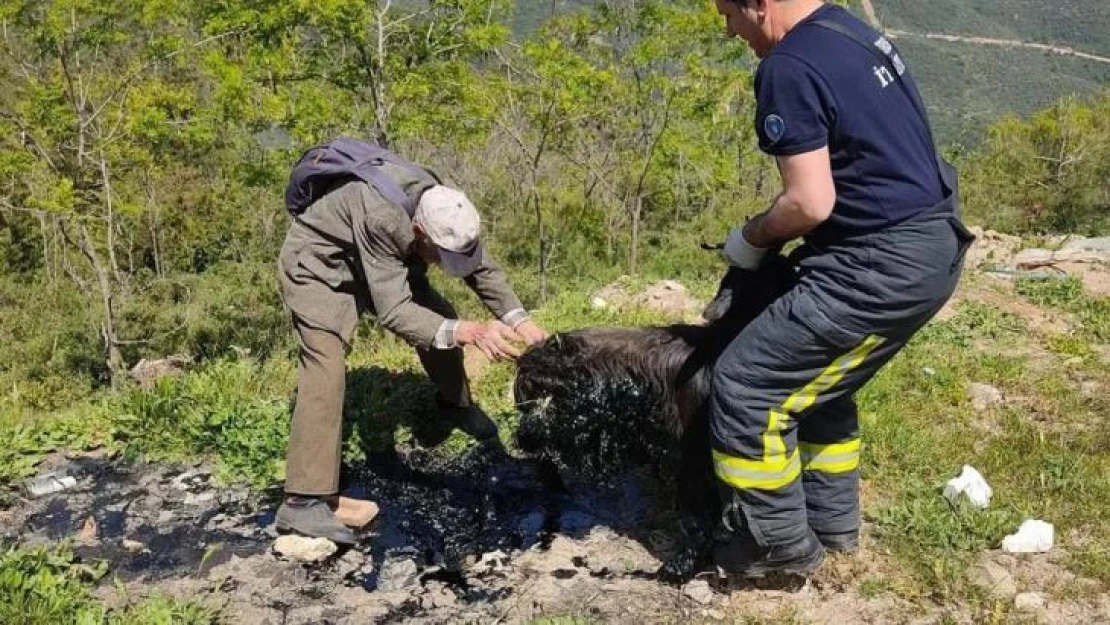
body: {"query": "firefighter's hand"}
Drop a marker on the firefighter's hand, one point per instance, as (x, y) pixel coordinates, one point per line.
(531, 333)
(493, 338)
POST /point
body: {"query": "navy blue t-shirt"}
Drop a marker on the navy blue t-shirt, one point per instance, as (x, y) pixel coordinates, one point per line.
(819, 88)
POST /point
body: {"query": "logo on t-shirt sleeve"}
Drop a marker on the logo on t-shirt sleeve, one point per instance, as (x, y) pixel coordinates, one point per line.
(774, 127)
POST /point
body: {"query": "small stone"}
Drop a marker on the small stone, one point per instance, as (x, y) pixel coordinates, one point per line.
(398, 575)
(994, 579)
(716, 615)
(350, 563)
(494, 562)
(437, 596)
(87, 533)
(132, 546)
(929, 371)
(984, 396)
(199, 499)
(164, 517)
(304, 549)
(699, 591)
(598, 302)
(1029, 601)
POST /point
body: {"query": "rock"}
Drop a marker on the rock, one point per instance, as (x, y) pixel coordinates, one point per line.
(1096, 246)
(87, 533)
(667, 296)
(304, 549)
(350, 563)
(147, 372)
(132, 546)
(1078, 251)
(398, 575)
(191, 480)
(559, 555)
(199, 499)
(984, 396)
(699, 591)
(437, 595)
(991, 248)
(994, 579)
(1029, 601)
(493, 562)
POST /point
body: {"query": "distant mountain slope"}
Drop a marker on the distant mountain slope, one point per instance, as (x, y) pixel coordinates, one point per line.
(970, 85)
(1082, 24)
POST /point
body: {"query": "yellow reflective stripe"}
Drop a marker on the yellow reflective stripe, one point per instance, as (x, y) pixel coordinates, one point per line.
(776, 469)
(832, 374)
(774, 447)
(757, 474)
(834, 458)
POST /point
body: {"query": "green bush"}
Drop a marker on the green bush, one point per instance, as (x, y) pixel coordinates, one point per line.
(46, 587)
(228, 408)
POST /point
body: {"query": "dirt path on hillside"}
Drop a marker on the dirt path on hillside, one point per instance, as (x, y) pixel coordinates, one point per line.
(894, 33)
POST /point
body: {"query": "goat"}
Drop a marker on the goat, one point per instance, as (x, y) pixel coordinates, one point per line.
(597, 400)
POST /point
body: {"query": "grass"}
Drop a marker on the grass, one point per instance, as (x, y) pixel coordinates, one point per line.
(1045, 455)
(44, 586)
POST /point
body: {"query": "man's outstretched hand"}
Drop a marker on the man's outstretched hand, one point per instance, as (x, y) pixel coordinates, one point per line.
(531, 333)
(494, 338)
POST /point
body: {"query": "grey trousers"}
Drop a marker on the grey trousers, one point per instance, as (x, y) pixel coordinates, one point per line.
(315, 438)
(784, 424)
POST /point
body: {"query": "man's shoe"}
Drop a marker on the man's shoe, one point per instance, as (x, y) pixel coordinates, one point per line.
(843, 542)
(742, 556)
(311, 516)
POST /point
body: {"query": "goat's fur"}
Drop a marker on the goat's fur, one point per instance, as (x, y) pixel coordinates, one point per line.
(597, 399)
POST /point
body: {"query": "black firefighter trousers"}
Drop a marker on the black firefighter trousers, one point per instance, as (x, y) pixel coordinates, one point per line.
(784, 423)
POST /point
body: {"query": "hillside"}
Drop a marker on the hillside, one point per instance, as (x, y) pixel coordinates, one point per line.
(968, 85)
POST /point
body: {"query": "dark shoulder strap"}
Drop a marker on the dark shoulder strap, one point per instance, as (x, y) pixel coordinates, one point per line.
(884, 57)
(893, 63)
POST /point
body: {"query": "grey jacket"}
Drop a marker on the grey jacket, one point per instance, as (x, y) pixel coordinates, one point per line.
(352, 252)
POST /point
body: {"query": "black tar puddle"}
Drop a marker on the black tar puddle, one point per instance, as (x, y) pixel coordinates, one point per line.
(447, 513)
(161, 522)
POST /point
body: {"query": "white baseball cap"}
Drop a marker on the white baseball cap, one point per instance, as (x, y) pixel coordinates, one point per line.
(452, 223)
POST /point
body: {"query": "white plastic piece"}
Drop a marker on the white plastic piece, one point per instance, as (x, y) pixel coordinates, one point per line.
(971, 484)
(1032, 537)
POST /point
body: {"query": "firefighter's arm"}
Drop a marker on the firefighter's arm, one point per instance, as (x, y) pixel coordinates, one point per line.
(806, 201)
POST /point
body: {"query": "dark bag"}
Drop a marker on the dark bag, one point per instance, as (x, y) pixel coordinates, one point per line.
(322, 166)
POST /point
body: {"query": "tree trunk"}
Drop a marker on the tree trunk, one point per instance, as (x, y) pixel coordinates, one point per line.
(108, 323)
(634, 248)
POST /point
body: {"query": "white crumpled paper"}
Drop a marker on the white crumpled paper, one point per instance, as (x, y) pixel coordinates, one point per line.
(971, 484)
(1032, 537)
